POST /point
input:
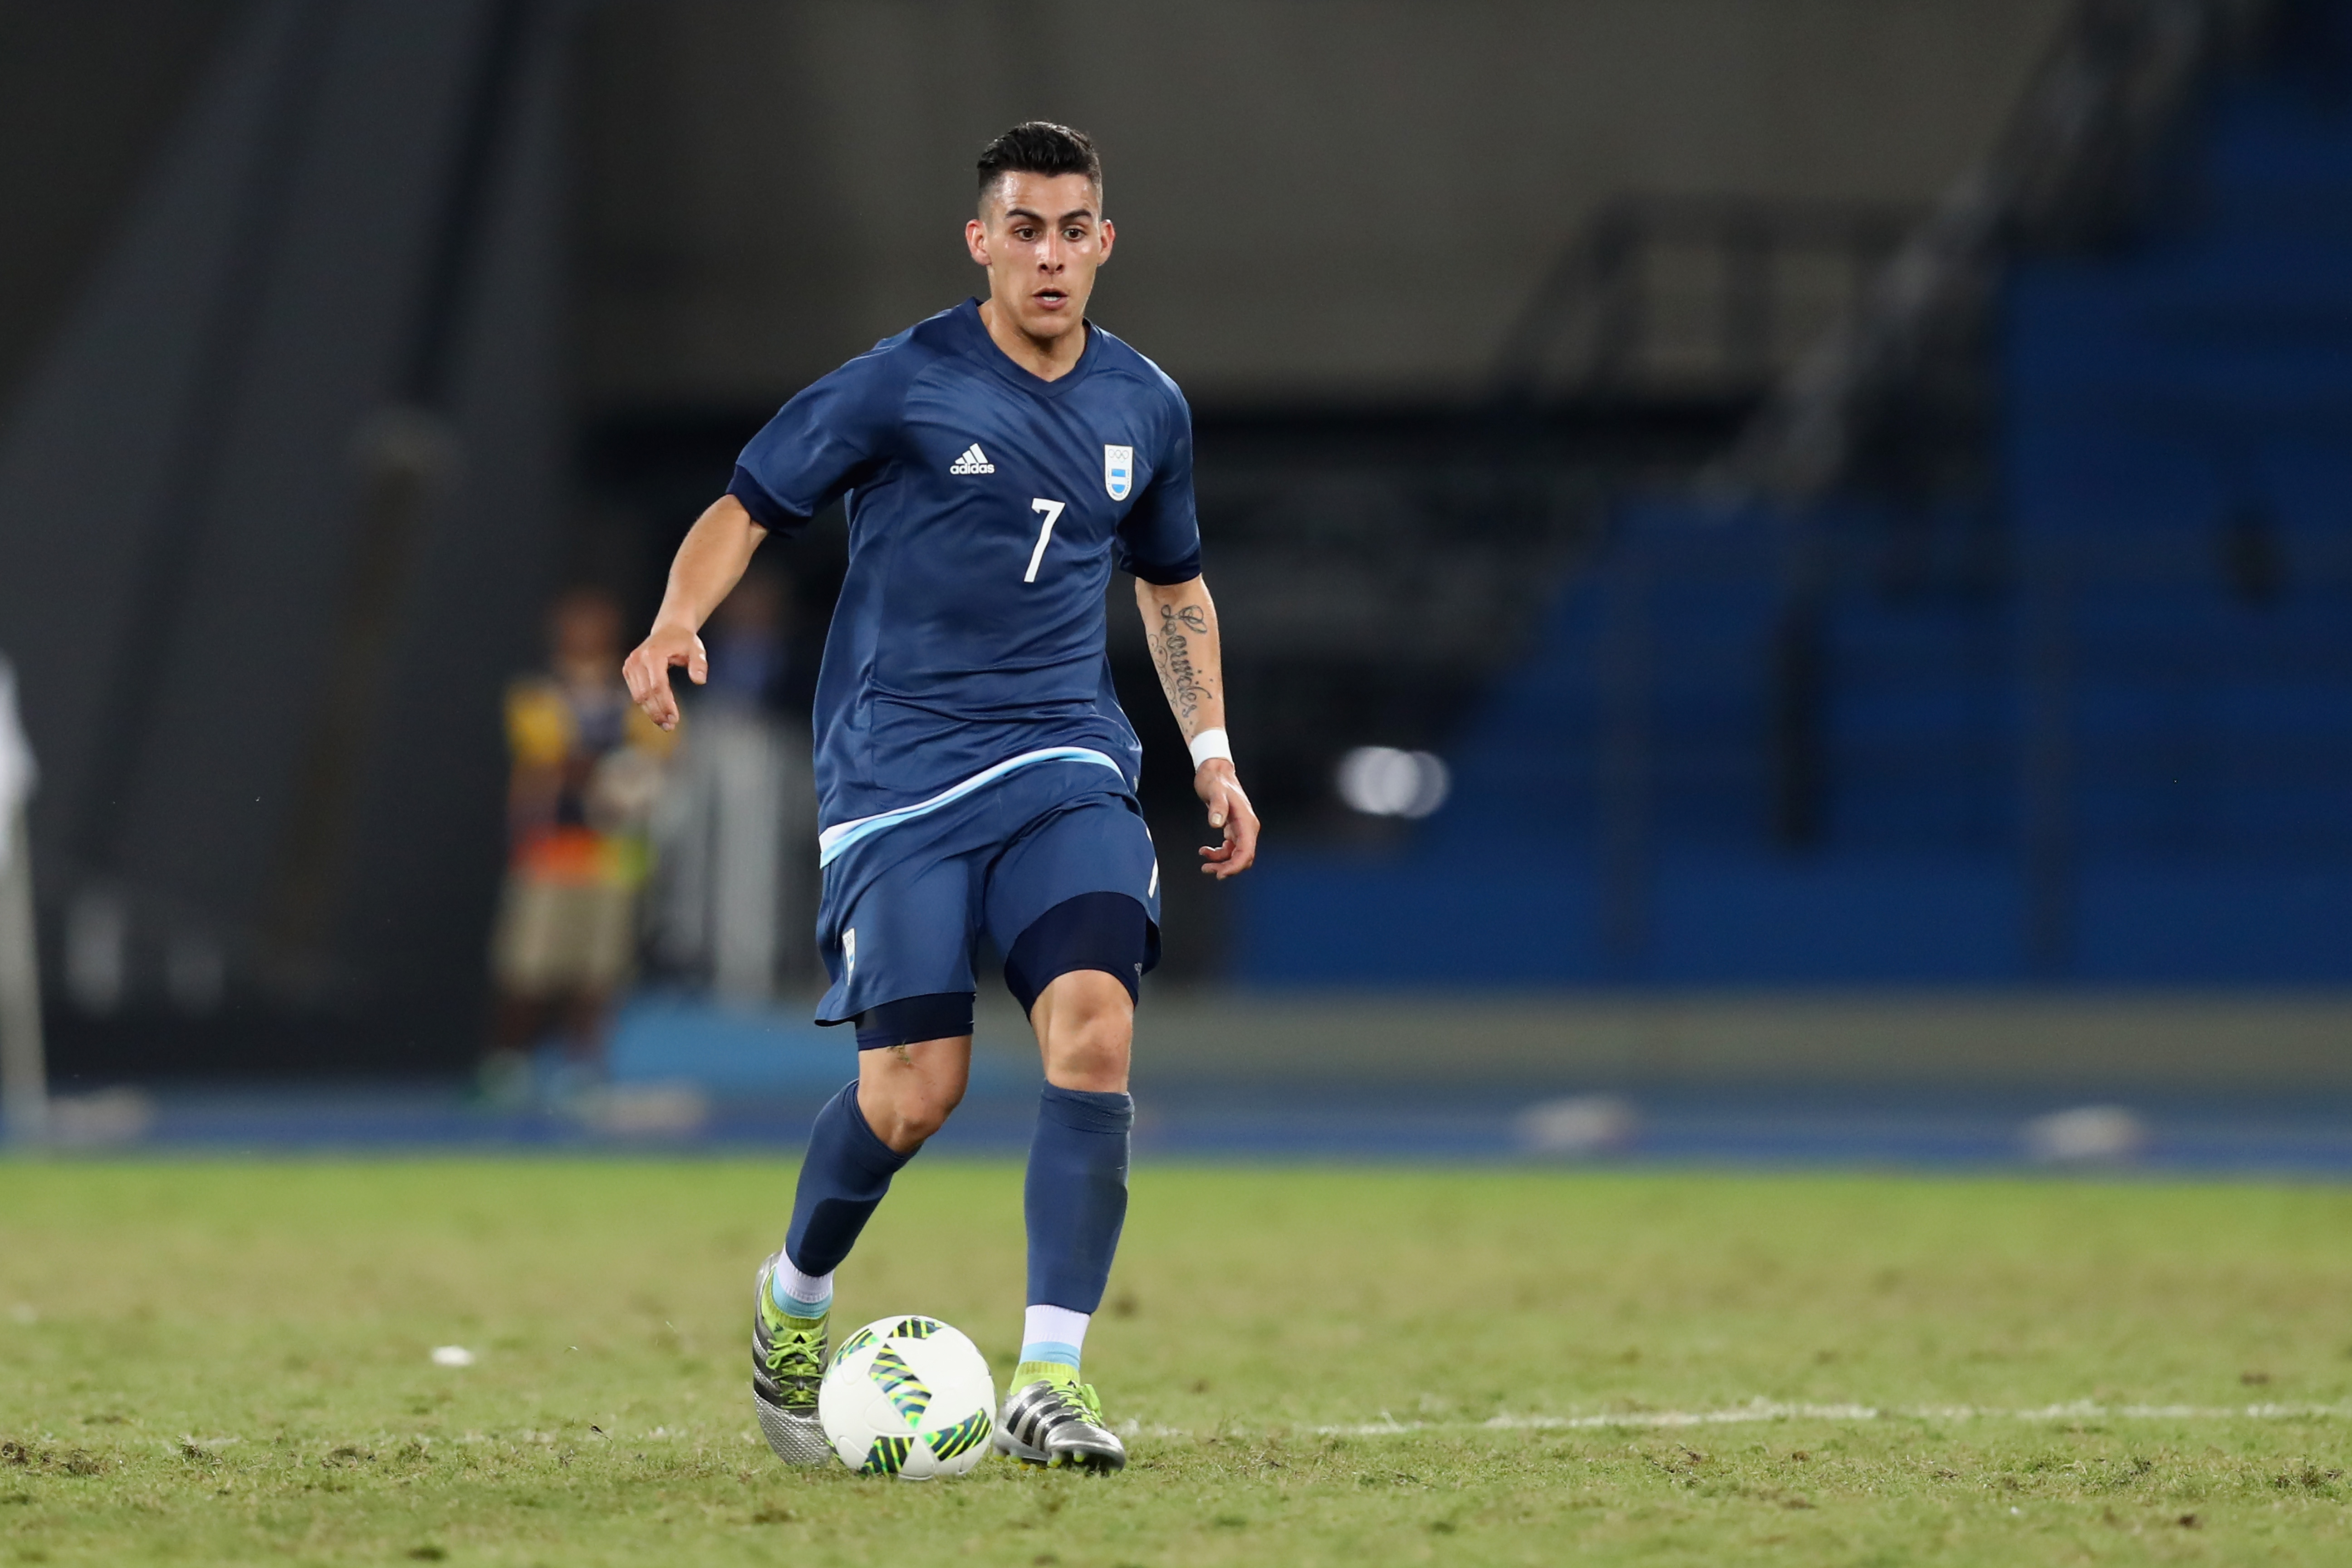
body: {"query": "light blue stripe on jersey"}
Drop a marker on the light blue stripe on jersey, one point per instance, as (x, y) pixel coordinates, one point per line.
(841, 834)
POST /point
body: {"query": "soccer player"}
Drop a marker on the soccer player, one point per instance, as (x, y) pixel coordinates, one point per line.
(974, 772)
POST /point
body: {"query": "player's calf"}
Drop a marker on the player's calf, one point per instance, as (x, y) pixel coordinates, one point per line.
(1075, 971)
(843, 1175)
(1075, 1204)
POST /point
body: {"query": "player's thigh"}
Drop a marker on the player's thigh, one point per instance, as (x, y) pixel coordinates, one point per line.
(1077, 892)
(1094, 846)
(906, 932)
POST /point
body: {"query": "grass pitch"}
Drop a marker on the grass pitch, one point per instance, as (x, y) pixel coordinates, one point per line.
(229, 1362)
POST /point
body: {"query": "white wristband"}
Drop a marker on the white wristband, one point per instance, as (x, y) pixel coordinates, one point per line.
(1211, 743)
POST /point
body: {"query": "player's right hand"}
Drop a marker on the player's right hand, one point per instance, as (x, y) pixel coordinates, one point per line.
(647, 670)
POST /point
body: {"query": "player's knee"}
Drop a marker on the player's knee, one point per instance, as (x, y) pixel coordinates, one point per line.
(904, 1113)
(1087, 1027)
(1097, 1065)
(1075, 969)
(914, 1123)
(913, 1059)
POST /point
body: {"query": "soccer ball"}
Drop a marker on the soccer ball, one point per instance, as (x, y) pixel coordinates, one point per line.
(908, 1397)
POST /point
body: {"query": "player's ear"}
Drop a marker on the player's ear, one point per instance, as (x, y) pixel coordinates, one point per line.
(1110, 234)
(975, 239)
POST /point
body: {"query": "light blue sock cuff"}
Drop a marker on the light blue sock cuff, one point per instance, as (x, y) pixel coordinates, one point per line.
(1051, 1350)
(792, 1306)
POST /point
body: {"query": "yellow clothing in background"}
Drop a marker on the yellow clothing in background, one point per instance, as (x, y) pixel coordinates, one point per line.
(566, 916)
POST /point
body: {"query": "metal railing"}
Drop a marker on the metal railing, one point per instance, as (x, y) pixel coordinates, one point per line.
(2070, 167)
(1677, 296)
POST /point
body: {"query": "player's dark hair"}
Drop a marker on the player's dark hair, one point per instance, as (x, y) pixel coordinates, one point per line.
(1039, 147)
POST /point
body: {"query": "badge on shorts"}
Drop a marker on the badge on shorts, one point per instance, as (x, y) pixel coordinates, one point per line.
(1118, 471)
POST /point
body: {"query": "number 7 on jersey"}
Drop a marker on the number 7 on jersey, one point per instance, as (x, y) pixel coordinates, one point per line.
(1053, 511)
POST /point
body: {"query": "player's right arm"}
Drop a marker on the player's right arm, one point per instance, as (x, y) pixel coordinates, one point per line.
(710, 562)
(834, 434)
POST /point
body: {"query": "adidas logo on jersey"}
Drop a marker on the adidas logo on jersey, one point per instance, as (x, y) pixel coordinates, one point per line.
(973, 461)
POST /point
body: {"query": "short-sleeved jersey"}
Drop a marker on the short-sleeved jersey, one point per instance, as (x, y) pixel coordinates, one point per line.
(987, 508)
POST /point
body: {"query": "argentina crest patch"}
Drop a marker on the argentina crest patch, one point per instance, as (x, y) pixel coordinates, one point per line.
(1119, 470)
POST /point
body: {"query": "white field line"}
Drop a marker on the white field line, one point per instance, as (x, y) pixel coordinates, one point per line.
(1772, 1410)
(1749, 1414)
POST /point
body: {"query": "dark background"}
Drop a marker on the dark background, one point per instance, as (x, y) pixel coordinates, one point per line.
(336, 335)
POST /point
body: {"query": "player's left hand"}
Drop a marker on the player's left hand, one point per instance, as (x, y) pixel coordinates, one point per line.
(1229, 809)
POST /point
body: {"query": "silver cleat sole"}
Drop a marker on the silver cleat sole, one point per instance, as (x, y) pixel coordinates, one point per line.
(797, 1439)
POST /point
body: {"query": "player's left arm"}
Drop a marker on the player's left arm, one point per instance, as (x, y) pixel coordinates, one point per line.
(1179, 622)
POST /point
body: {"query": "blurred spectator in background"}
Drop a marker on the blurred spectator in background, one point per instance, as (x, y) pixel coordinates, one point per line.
(587, 770)
(24, 1094)
(734, 903)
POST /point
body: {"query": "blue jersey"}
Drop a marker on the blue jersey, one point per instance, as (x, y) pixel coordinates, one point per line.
(987, 508)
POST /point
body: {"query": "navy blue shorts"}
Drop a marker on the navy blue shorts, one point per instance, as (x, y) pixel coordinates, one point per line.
(904, 909)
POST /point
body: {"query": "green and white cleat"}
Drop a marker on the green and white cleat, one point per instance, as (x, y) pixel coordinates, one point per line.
(787, 1365)
(1051, 1419)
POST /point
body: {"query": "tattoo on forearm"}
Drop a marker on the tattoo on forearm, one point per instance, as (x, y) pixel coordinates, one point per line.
(1171, 654)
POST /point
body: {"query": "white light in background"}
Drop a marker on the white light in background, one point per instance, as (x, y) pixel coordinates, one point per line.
(1381, 781)
(1581, 1124)
(2086, 1135)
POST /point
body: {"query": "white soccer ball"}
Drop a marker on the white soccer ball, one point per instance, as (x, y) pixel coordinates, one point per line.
(909, 1397)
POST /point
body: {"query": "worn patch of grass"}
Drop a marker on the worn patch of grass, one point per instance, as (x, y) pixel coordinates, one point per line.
(229, 1362)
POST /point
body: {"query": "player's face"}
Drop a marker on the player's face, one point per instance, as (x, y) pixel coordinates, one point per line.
(1040, 237)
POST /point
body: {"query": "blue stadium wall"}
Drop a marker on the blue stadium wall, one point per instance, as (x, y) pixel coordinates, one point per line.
(2098, 733)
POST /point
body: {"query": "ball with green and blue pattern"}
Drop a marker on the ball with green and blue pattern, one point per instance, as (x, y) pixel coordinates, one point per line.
(908, 1397)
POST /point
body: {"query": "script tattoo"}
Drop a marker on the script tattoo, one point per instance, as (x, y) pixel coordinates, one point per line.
(1172, 651)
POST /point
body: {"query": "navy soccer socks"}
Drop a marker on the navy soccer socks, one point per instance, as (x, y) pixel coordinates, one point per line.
(843, 1177)
(1075, 1203)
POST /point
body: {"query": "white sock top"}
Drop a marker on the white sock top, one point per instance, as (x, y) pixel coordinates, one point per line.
(810, 1288)
(1053, 1326)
